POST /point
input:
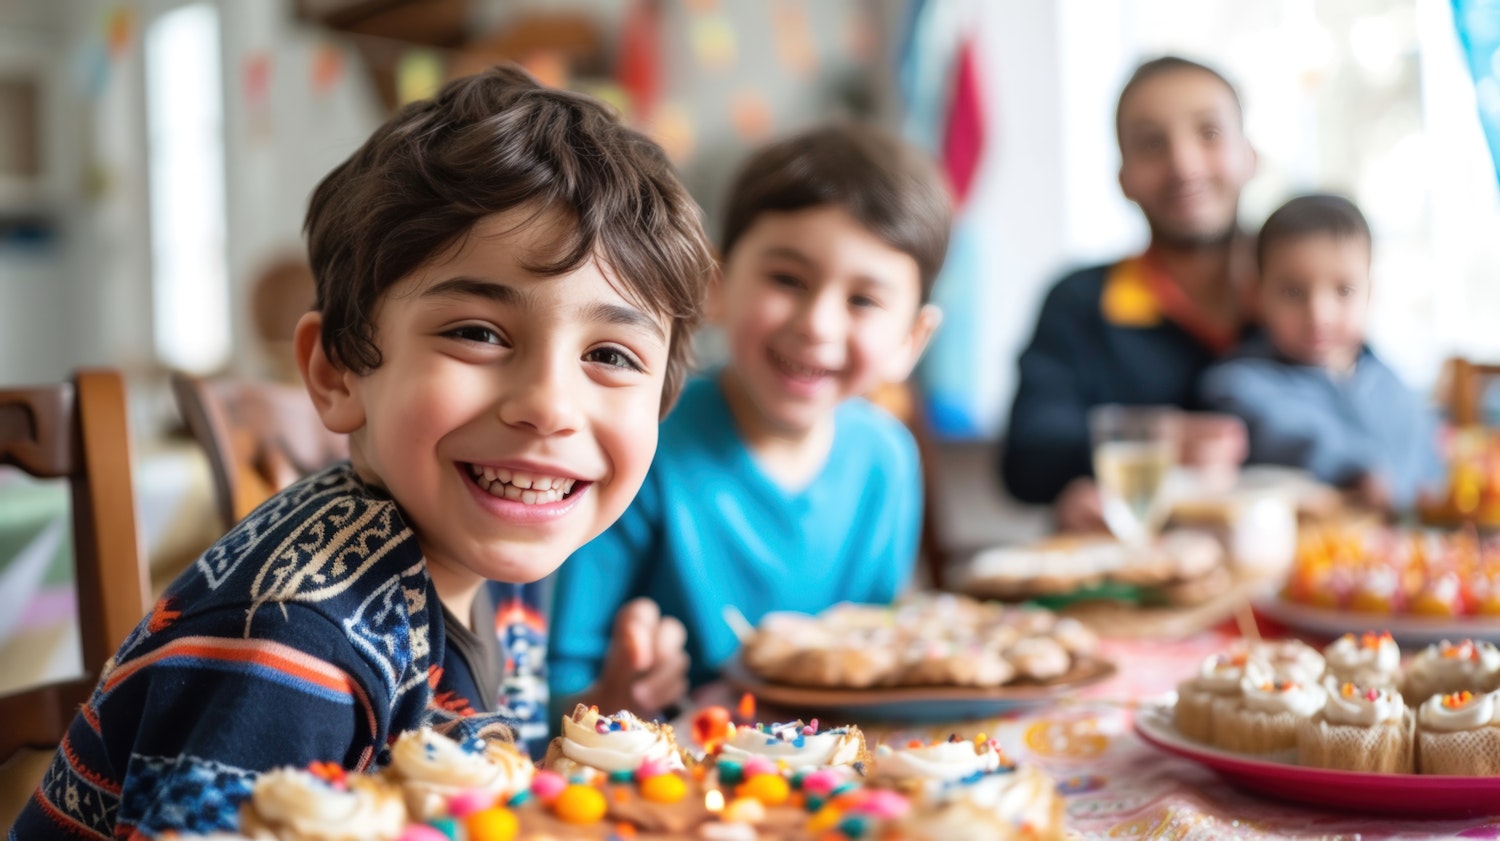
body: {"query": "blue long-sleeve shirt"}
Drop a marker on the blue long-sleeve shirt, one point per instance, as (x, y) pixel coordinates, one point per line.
(1337, 428)
(710, 529)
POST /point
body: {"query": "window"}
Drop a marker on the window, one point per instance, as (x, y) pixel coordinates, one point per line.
(185, 136)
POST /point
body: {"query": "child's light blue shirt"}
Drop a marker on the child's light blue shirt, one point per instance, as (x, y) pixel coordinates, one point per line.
(1337, 428)
(710, 529)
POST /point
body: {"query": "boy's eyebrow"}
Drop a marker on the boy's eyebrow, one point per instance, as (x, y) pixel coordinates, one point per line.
(788, 252)
(625, 317)
(476, 288)
(500, 293)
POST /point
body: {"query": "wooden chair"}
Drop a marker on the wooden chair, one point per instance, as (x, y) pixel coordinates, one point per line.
(78, 431)
(259, 436)
(1467, 390)
(904, 401)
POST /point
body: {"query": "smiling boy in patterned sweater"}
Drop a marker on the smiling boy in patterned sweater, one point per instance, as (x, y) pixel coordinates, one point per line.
(506, 281)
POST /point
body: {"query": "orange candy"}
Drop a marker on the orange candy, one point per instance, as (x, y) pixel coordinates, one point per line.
(664, 788)
(769, 789)
(580, 804)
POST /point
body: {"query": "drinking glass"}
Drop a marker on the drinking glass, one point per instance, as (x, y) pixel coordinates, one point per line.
(1135, 454)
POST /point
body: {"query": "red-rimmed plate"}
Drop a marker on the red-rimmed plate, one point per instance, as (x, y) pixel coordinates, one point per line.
(1408, 795)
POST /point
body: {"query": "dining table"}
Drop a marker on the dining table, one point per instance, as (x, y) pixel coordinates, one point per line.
(1117, 785)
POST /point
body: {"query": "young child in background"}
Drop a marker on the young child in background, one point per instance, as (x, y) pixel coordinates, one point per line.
(1310, 390)
(506, 278)
(775, 487)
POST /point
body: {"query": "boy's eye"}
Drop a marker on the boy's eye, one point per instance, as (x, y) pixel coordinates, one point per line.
(789, 281)
(1346, 291)
(863, 301)
(614, 357)
(1210, 132)
(476, 333)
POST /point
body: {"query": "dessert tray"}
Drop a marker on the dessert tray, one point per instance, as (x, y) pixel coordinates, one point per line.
(1406, 629)
(1407, 795)
(919, 703)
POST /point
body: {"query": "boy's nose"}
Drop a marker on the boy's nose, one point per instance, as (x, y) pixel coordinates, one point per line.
(823, 318)
(542, 396)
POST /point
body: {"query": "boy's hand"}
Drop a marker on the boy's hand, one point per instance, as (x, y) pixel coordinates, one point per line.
(1078, 509)
(1215, 444)
(646, 667)
(1372, 491)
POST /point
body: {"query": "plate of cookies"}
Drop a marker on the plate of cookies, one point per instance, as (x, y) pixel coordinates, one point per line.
(1181, 568)
(1351, 727)
(928, 658)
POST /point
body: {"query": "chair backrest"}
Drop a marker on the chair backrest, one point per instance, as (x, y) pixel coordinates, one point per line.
(904, 401)
(1469, 381)
(260, 436)
(79, 431)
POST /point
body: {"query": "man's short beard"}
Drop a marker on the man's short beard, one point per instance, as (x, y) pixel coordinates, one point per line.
(1178, 241)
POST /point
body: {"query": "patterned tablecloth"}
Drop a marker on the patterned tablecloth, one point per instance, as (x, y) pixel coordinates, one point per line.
(1118, 786)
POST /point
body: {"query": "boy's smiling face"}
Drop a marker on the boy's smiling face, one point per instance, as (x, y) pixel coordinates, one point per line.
(513, 416)
(816, 309)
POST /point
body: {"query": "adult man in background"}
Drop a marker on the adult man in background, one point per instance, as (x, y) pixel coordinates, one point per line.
(1140, 331)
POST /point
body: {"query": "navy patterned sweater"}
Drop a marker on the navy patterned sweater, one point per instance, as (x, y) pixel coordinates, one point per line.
(311, 631)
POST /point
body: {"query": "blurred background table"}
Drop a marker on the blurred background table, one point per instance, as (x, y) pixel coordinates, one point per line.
(1118, 786)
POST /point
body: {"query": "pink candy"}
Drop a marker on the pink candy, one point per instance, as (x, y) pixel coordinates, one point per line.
(759, 765)
(547, 785)
(651, 768)
(882, 804)
(820, 782)
(466, 803)
(422, 832)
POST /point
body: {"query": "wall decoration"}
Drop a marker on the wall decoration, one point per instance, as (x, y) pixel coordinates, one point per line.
(713, 42)
(750, 112)
(326, 68)
(795, 48)
(672, 127)
(419, 74)
(638, 68)
(1478, 23)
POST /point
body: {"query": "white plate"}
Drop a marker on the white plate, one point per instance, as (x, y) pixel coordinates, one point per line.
(1406, 630)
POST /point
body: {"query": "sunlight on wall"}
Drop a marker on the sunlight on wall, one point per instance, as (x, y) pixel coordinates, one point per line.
(185, 124)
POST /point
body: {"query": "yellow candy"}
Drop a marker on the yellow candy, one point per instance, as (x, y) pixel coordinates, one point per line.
(826, 818)
(663, 788)
(580, 804)
(769, 789)
(494, 824)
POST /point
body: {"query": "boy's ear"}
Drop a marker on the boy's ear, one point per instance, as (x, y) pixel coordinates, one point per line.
(331, 386)
(927, 321)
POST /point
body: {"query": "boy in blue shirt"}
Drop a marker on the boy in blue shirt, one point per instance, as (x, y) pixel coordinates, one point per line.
(1310, 390)
(775, 487)
(506, 277)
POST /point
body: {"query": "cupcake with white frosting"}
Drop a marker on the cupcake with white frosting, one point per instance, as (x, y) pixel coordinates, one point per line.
(293, 805)
(1457, 733)
(1293, 659)
(1361, 728)
(1219, 678)
(1267, 716)
(431, 769)
(611, 743)
(1445, 668)
(1368, 660)
(948, 761)
(797, 745)
(1005, 805)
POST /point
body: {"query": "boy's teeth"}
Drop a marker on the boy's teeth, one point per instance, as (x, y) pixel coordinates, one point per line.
(526, 488)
